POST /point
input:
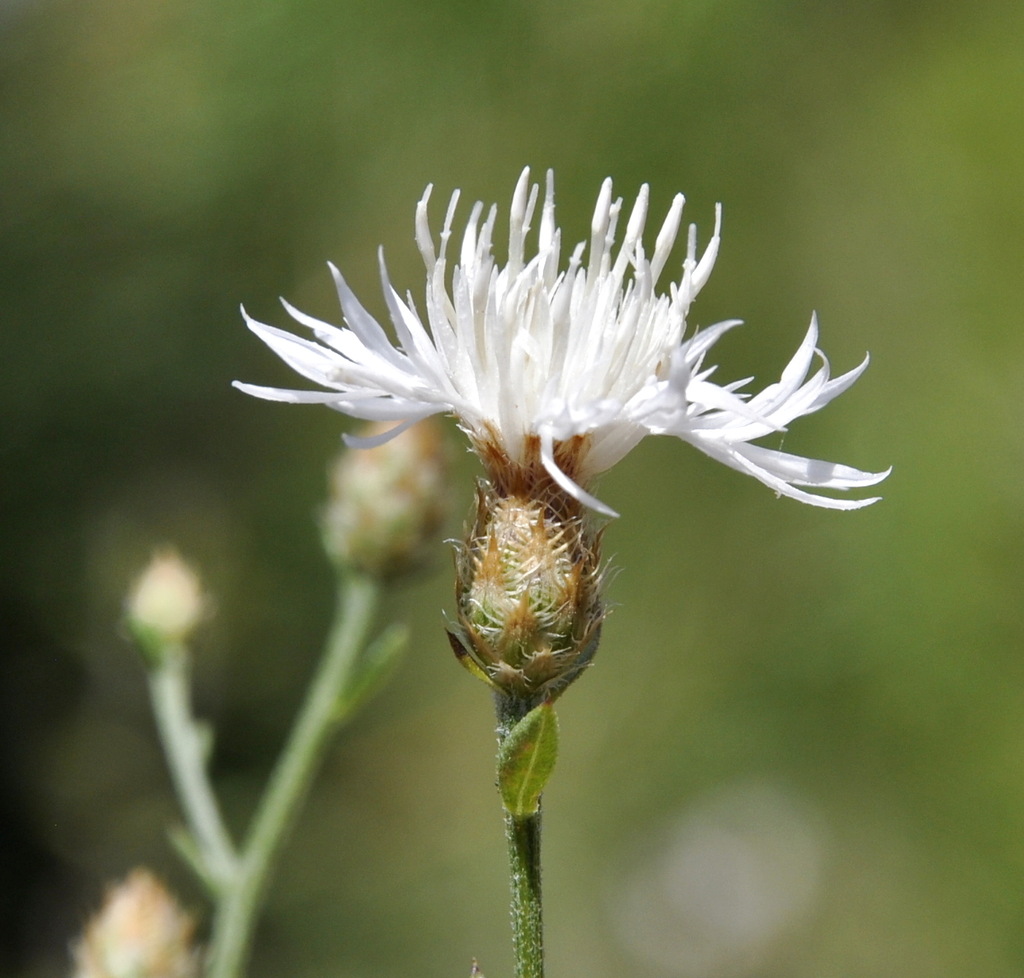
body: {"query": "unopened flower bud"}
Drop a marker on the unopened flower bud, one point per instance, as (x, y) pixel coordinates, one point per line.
(387, 502)
(528, 587)
(140, 932)
(166, 603)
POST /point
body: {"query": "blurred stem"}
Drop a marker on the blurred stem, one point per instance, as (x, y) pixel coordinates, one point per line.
(523, 836)
(319, 718)
(186, 745)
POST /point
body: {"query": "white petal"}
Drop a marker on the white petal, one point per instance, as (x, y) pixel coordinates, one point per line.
(811, 471)
(836, 386)
(304, 356)
(375, 441)
(369, 331)
(547, 455)
(667, 236)
(739, 457)
(287, 396)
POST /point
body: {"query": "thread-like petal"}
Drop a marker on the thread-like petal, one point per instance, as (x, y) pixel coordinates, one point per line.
(530, 355)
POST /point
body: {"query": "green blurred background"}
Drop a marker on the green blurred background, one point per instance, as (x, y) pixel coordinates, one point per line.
(800, 751)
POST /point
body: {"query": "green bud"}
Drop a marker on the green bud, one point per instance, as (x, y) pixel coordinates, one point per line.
(387, 503)
(528, 588)
(165, 604)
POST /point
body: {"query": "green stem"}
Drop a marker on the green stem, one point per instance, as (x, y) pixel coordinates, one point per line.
(523, 836)
(320, 716)
(185, 745)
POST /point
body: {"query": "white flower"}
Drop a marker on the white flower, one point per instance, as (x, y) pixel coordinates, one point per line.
(569, 367)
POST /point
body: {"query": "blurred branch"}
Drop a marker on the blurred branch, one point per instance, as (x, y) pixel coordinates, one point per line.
(186, 743)
(328, 703)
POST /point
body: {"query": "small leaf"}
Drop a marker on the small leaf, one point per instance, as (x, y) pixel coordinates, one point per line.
(459, 645)
(373, 669)
(204, 731)
(186, 847)
(526, 759)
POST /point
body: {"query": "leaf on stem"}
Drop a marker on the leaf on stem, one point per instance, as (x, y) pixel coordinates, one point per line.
(372, 669)
(186, 847)
(526, 759)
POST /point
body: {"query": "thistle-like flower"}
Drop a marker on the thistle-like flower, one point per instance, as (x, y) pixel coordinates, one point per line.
(555, 374)
(559, 372)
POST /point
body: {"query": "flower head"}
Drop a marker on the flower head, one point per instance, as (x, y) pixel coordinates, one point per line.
(555, 373)
(528, 582)
(166, 603)
(388, 502)
(140, 930)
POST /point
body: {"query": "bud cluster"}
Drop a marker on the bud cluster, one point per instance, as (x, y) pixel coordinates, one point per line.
(528, 590)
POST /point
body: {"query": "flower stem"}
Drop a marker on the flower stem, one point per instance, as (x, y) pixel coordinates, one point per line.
(185, 745)
(523, 836)
(320, 716)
